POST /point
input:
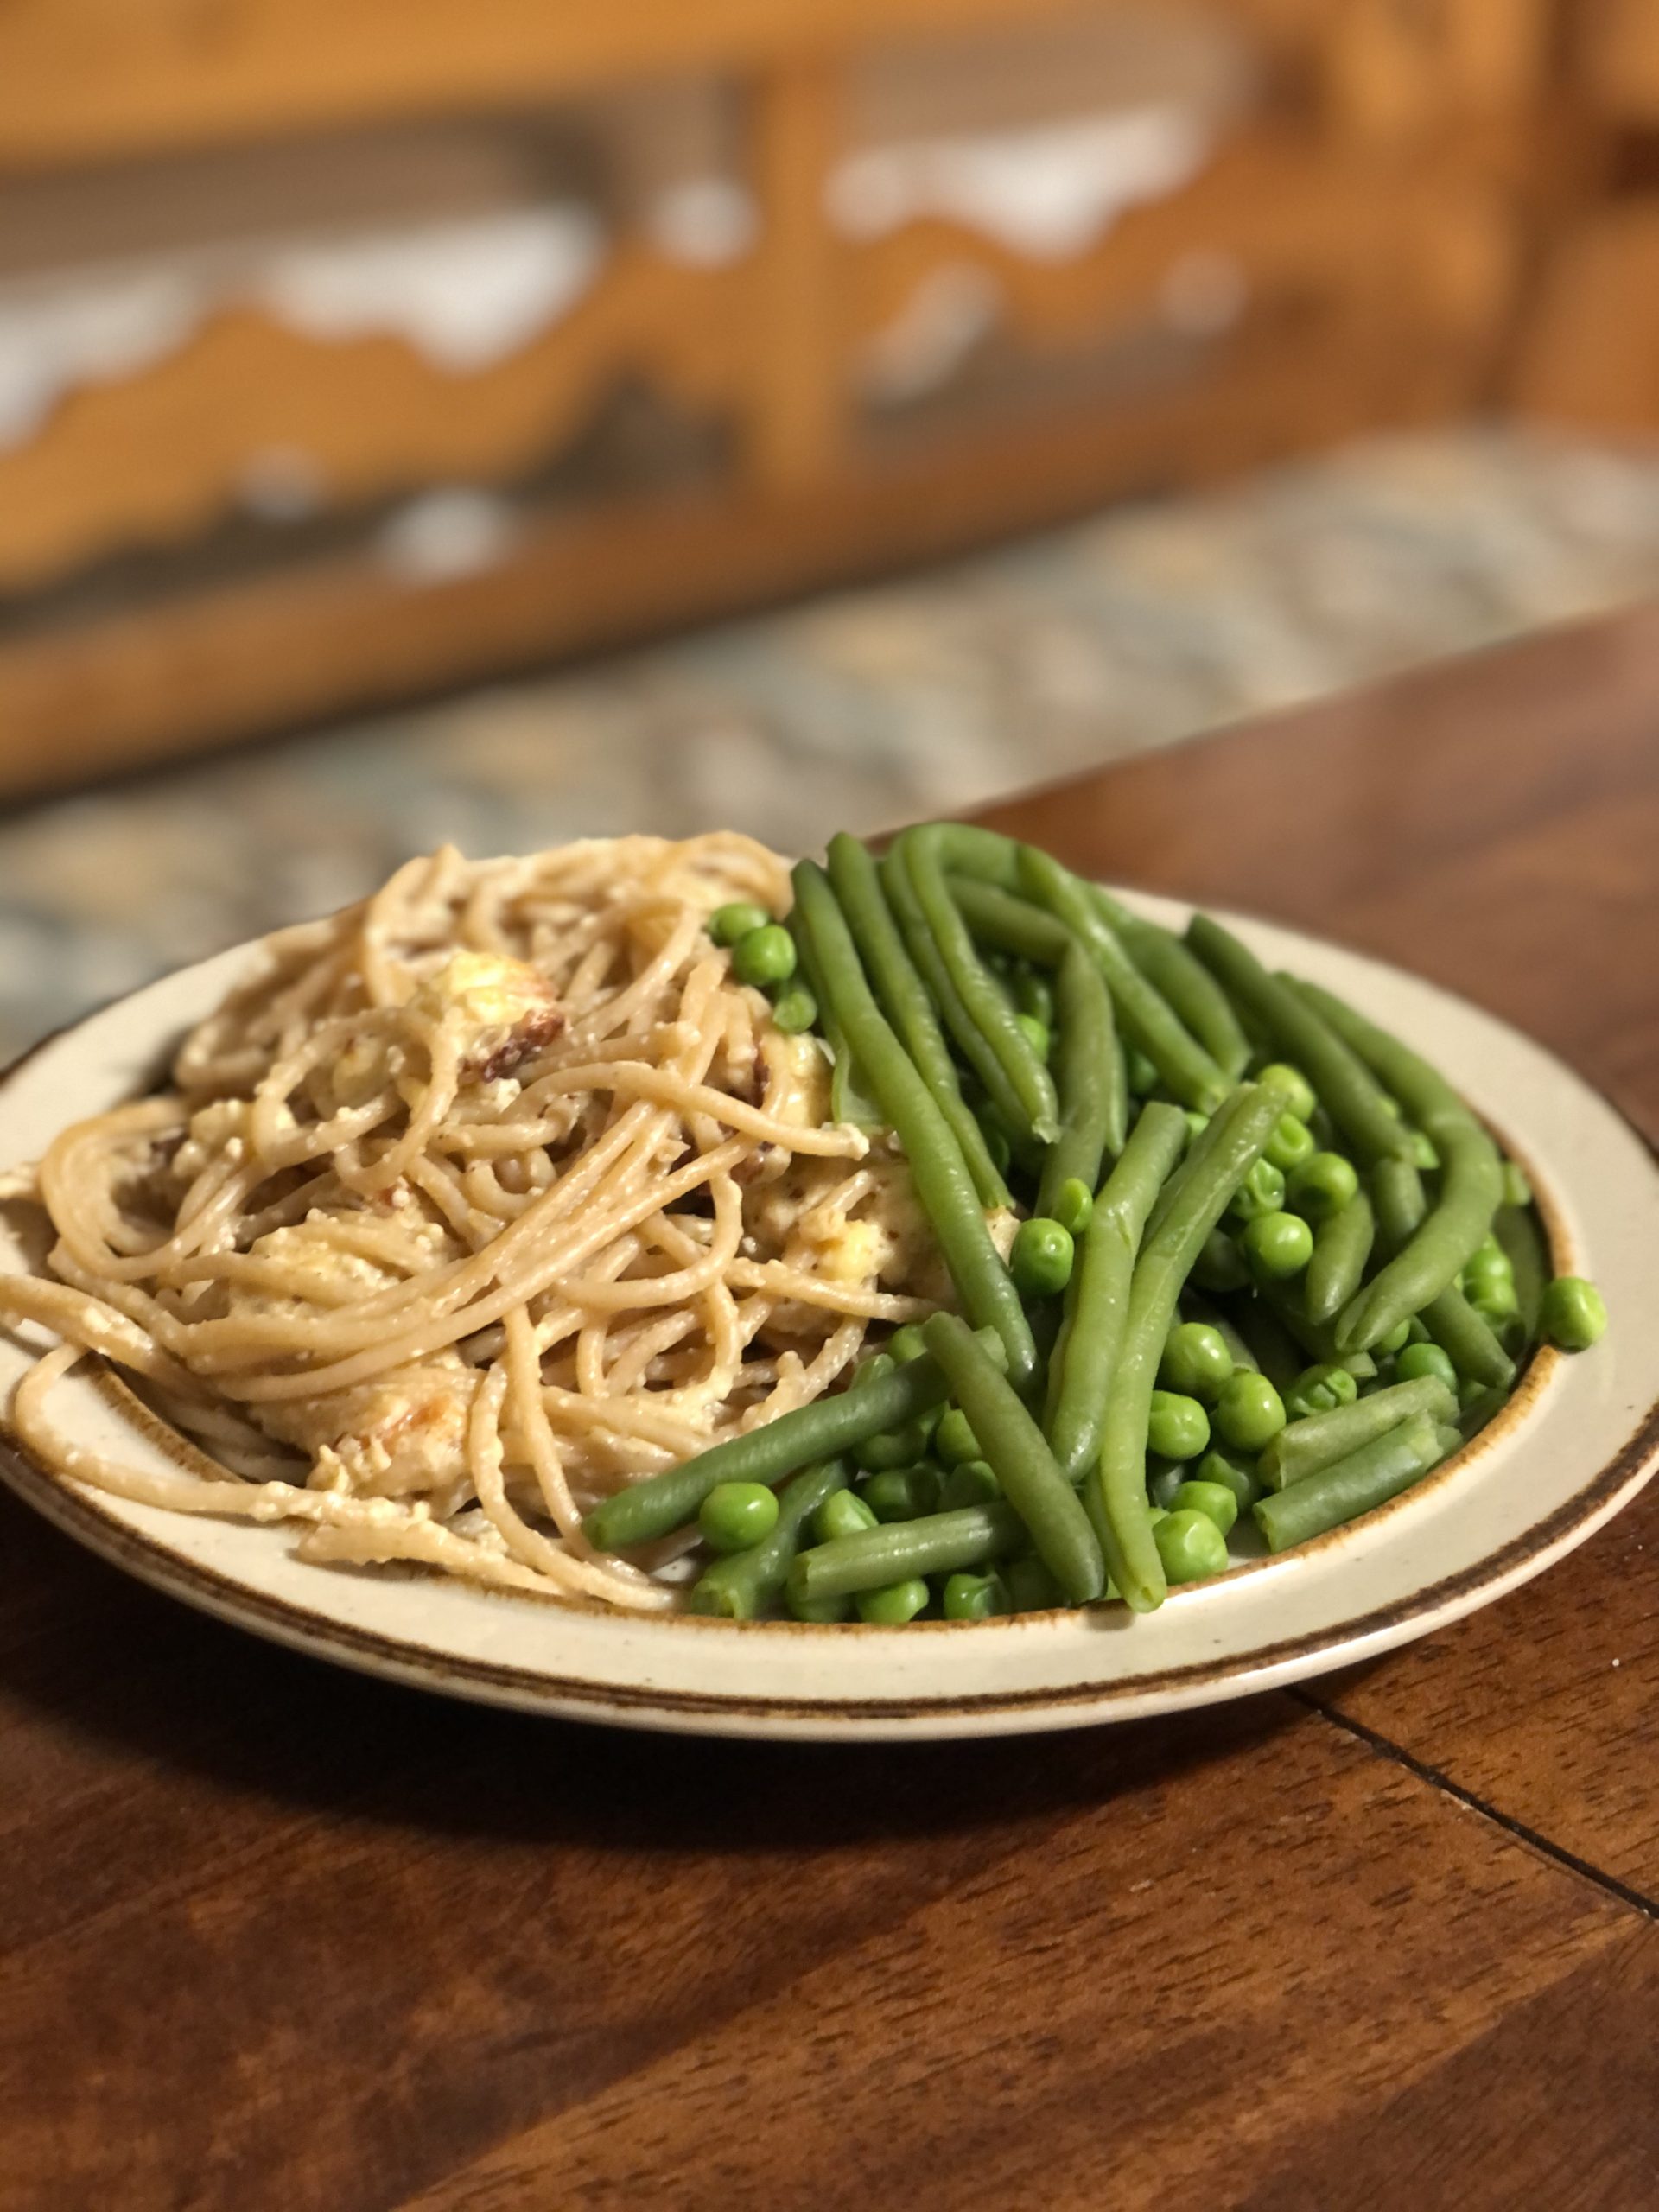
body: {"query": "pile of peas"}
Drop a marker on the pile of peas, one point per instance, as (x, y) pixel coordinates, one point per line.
(1266, 1269)
(764, 955)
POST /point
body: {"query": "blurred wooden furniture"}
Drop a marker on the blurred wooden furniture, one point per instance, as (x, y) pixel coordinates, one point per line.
(1347, 253)
(280, 1939)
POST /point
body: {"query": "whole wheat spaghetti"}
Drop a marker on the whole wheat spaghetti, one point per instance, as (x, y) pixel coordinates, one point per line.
(475, 1203)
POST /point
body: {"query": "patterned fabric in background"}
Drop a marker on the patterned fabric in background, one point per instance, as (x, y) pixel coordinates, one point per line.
(863, 709)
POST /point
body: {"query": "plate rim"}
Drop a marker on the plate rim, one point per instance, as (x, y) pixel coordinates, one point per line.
(87, 1518)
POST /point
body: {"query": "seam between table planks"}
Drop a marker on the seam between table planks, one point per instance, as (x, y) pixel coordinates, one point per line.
(1558, 1855)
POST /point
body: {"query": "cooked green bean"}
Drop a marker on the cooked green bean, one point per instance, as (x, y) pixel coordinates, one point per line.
(1097, 1297)
(925, 951)
(943, 1186)
(1304, 1446)
(990, 1037)
(1272, 1347)
(823, 1430)
(1400, 1203)
(939, 1543)
(1516, 1230)
(1364, 1480)
(1341, 1081)
(1318, 1340)
(747, 1584)
(1008, 922)
(1467, 1341)
(1192, 992)
(1011, 1440)
(1472, 1177)
(1341, 1247)
(1114, 1489)
(1144, 1016)
(850, 1100)
(904, 999)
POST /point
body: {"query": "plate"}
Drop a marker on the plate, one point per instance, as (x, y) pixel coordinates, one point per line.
(1576, 1442)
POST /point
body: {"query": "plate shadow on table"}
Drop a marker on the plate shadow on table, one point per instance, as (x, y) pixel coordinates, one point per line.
(136, 1678)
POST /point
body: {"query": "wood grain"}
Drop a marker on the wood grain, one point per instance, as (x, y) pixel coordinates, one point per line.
(275, 1939)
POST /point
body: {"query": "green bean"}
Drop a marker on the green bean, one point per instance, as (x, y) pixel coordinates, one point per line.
(1011, 1440)
(925, 951)
(1364, 1480)
(1304, 1446)
(850, 1100)
(1192, 992)
(823, 1430)
(943, 1186)
(1318, 1340)
(1340, 1079)
(1114, 1487)
(904, 999)
(1089, 1066)
(939, 1543)
(1516, 1230)
(1145, 1017)
(990, 1037)
(1341, 1247)
(1466, 1340)
(966, 849)
(1097, 1297)
(749, 1583)
(1472, 1179)
(1400, 1203)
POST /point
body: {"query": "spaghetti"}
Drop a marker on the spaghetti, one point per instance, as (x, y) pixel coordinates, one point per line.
(477, 1202)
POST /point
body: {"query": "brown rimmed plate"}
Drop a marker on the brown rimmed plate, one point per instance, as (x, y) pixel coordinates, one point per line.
(1577, 1441)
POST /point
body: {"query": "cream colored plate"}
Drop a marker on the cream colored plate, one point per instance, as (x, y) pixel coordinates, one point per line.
(1579, 1438)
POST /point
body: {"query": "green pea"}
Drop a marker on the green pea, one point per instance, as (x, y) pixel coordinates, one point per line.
(1517, 1192)
(1423, 1154)
(1291, 1143)
(843, 1513)
(1497, 1303)
(1036, 1034)
(765, 957)
(1574, 1313)
(1418, 1360)
(1320, 1390)
(954, 1440)
(1490, 1273)
(971, 1596)
(1074, 1206)
(902, 1493)
(1322, 1185)
(1177, 1427)
(1249, 1412)
(735, 1517)
(726, 924)
(1033, 996)
(1219, 1470)
(1262, 1191)
(898, 1603)
(794, 1010)
(1397, 1340)
(1143, 1077)
(1279, 1075)
(1195, 1362)
(822, 1612)
(891, 1447)
(906, 1344)
(1197, 1123)
(1042, 1258)
(1190, 1546)
(1215, 1501)
(973, 1482)
(1280, 1244)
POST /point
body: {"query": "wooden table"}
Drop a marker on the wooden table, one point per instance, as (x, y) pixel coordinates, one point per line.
(274, 1937)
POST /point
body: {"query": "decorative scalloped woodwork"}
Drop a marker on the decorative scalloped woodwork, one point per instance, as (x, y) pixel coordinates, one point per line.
(1293, 217)
(161, 456)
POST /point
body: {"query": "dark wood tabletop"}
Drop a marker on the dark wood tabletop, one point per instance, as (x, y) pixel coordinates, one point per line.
(279, 1939)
